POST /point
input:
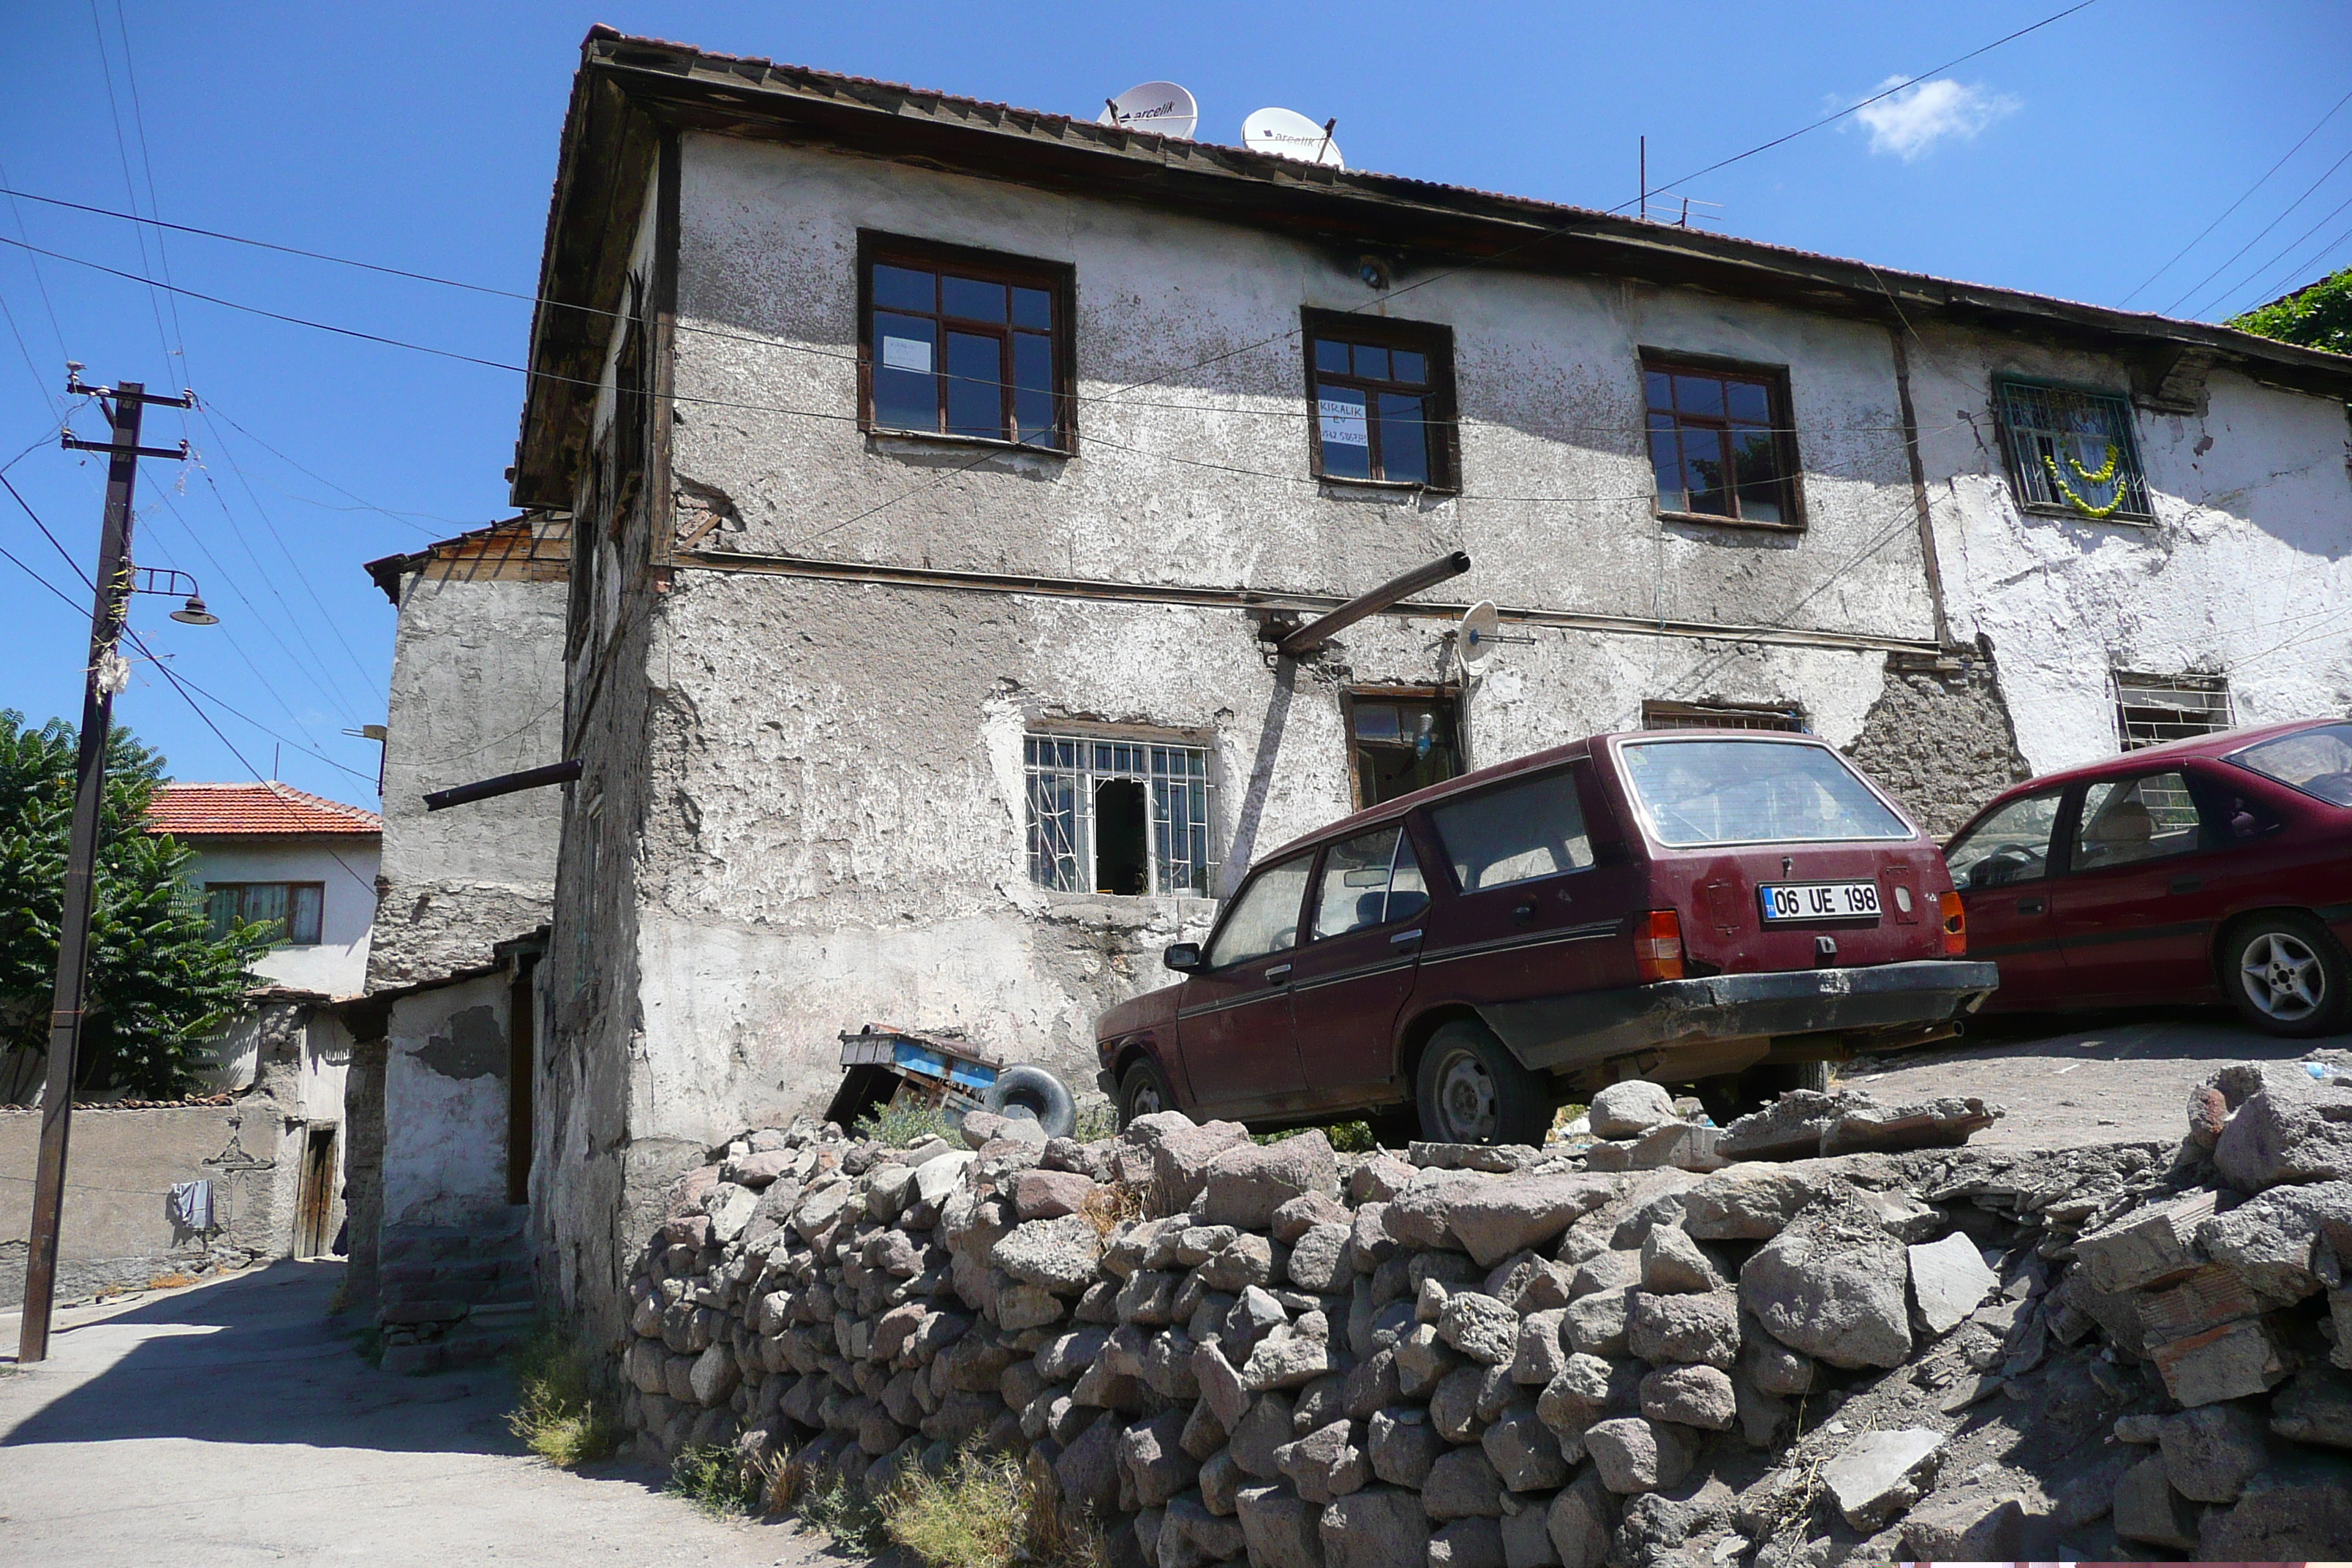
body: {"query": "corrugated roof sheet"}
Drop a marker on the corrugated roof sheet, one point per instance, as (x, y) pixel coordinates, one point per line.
(251, 811)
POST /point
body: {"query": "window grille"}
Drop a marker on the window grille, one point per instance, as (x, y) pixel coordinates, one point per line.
(2071, 452)
(1786, 717)
(1079, 839)
(2153, 709)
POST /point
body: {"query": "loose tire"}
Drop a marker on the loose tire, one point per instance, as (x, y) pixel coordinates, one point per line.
(1143, 1090)
(2286, 974)
(1471, 1090)
(1032, 1091)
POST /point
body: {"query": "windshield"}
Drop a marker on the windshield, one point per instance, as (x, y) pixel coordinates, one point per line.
(1753, 792)
(2317, 762)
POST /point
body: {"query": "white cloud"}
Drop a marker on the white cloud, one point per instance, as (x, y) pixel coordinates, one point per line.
(1911, 124)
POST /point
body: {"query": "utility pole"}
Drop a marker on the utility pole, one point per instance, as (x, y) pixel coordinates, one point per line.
(124, 407)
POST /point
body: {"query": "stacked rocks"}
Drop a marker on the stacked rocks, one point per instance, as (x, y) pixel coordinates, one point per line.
(1482, 1359)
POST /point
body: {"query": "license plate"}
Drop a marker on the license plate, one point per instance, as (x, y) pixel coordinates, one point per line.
(1818, 900)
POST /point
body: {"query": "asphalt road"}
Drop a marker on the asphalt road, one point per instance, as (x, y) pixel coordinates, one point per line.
(2066, 1081)
(234, 1423)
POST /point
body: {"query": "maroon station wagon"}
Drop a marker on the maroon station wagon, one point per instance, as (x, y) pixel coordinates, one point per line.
(2209, 868)
(1688, 906)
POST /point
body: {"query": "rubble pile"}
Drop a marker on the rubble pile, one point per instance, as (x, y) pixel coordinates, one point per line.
(1518, 1358)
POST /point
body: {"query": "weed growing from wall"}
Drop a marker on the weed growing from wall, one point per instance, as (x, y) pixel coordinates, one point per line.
(555, 1411)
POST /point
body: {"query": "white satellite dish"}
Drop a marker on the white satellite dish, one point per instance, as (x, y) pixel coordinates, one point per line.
(1160, 107)
(1480, 633)
(1289, 134)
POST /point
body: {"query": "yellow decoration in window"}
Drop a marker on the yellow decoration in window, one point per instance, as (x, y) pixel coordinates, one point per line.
(2099, 478)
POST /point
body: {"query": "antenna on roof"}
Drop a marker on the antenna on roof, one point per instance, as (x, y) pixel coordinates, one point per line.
(1161, 108)
(1286, 134)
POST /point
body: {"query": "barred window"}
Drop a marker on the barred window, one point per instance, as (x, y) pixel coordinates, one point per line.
(1117, 816)
(2071, 453)
(1781, 716)
(2153, 709)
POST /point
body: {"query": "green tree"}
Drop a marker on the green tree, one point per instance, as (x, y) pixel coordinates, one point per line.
(2318, 316)
(160, 983)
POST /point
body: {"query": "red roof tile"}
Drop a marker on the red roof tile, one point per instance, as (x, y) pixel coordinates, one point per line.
(252, 810)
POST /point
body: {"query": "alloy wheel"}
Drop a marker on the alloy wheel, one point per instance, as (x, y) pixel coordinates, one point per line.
(2283, 976)
(1466, 1097)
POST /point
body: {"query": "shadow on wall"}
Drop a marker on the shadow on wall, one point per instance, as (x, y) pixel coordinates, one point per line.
(256, 1358)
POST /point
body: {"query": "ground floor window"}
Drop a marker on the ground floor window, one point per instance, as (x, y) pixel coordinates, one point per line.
(1401, 741)
(1782, 716)
(1125, 816)
(292, 907)
(2153, 709)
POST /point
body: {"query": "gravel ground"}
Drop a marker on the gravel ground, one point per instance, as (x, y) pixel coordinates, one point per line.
(2088, 1078)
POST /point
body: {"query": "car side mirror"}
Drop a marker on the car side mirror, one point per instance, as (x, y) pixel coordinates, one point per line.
(1183, 957)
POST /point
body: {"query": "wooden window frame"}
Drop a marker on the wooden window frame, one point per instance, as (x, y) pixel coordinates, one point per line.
(1434, 341)
(1056, 277)
(2128, 515)
(318, 940)
(1781, 405)
(1457, 734)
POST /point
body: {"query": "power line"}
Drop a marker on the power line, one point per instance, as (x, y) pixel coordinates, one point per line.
(2199, 286)
(2242, 198)
(2264, 267)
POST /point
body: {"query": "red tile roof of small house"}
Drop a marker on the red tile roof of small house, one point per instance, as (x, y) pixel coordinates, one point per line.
(253, 811)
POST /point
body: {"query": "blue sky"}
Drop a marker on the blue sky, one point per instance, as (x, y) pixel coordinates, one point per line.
(2074, 162)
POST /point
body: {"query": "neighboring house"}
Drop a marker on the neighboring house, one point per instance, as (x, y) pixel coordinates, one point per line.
(939, 470)
(267, 1143)
(441, 1090)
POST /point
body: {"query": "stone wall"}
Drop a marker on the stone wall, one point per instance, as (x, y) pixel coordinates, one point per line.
(1939, 738)
(1523, 1358)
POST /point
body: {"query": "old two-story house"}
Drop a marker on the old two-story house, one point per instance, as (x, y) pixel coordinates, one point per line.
(942, 473)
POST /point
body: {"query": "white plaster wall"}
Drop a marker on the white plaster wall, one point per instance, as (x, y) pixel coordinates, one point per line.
(345, 868)
(2246, 571)
(444, 1103)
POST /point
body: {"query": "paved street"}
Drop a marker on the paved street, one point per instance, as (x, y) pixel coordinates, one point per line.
(233, 1423)
(2122, 1075)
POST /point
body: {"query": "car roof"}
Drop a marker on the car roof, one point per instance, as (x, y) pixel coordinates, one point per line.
(2221, 743)
(1389, 810)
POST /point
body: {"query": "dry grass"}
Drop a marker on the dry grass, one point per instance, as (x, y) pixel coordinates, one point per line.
(170, 1281)
(555, 1411)
(989, 1511)
(1112, 1204)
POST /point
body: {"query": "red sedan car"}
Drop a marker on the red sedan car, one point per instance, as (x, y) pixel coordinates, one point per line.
(2207, 869)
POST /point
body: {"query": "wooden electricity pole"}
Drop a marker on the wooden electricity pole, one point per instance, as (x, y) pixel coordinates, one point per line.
(124, 407)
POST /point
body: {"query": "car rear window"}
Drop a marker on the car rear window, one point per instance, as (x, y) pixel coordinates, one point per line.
(1515, 834)
(1753, 792)
(2317, 762)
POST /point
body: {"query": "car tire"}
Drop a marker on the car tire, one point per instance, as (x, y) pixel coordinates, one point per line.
(1143, 1090)
(2286, 974)
(1024, 1090)
(1471, 1090)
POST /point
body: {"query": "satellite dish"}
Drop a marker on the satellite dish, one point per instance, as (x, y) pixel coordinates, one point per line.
(1474, 640)
(1160, 107)
(1289, 134)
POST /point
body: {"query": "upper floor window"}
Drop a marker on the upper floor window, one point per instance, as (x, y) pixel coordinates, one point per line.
(2071, 453)
(1722, 443)
(960, 342)
(2153, 709)
(293, 908)
(1125, 816)
(1383, 398)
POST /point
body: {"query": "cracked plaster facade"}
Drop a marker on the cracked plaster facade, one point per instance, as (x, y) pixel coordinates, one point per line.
(801, 803)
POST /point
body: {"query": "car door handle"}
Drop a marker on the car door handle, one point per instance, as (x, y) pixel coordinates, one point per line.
(2030, 906)
(1404, 939)
(1524, 913)
(2187, 884)
(1274, 976)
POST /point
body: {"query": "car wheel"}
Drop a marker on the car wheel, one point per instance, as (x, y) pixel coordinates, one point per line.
(1473, 1090)
(1143, 1091)
(2285, 974)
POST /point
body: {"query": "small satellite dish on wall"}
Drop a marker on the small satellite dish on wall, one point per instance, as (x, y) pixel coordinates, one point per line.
(1286, 134)
(1160, 107)
(1479, 634)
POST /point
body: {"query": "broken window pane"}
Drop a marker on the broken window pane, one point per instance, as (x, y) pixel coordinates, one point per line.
(1117, 816)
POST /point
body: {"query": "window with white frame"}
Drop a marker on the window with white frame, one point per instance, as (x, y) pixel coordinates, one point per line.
(1126, 817)
(2153, 709)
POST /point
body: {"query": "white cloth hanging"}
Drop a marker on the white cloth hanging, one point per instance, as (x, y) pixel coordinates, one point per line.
(192, 1206)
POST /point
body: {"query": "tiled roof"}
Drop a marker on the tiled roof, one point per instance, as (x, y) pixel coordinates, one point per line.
(252, 810)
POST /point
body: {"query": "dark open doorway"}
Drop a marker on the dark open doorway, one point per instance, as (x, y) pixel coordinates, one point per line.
(1122, 837)
(521, 1047)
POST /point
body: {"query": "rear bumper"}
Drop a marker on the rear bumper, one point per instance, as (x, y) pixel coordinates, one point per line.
(1586, 1026)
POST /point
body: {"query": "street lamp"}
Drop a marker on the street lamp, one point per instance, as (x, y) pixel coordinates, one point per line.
(172, 584)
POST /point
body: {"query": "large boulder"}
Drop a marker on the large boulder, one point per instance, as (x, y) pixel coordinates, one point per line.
(1630, 1109)
(1279, 1527)
(1635, 1454)
(1167, 1153)
(1831, 1285)
(2297, 1127)
(1247, 1182)
(1378, 1527)
(1494, 1218)
(1057, 1255)
(1685, 1329)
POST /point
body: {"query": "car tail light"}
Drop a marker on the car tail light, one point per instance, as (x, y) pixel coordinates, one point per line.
(1955, 925)
(1658, 945)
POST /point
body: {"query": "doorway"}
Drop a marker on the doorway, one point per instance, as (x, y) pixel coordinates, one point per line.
(1122, 837)
(314, 1232)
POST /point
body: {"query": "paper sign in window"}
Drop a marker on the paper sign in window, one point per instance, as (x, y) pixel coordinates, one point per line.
(906, 354)
(1343, 422)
